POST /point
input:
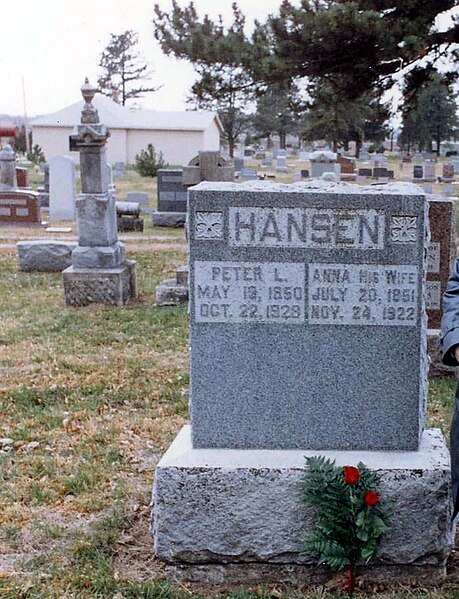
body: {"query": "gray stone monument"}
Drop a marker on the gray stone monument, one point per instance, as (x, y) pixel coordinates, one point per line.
(100, 272)
(308, 337)
(324, 161)
(174, 183)
(8, 178)
(61, 188)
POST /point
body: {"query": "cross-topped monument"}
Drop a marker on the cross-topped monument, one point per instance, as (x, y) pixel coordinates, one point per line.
(100, 272)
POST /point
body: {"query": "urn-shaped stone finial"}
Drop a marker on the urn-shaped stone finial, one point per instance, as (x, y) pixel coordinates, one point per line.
(89, 114)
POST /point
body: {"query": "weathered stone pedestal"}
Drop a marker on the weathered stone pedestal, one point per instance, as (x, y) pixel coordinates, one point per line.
(84, 286)
(228, 515)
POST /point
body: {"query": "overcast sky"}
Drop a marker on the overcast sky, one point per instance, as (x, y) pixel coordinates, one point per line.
(54, 44)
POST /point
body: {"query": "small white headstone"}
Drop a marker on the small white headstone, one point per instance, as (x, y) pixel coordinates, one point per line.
(61, 188)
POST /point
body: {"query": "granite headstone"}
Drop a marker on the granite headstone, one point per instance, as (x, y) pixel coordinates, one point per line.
(288, 275)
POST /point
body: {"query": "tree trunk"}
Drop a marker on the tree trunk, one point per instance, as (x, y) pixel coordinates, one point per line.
(335, 145)
(231, 142)
(358, 146)
(282, 137)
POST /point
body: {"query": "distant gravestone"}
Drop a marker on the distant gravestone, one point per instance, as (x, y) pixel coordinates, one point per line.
(323, 161)
(418, 172)
(238, 164)
(347, 165)
(61, 188)
(380, 171)
(111, 185)
(19, 207)
(248, 174)
(43, 191)
(22, 177)
(365, 172)
(174, 183)
(119, 169)
(441, 255)
(429, 171)
(448, 172)
(8, 178)
(304, 173)
(281, 163)
(139, 197)
(455, 163)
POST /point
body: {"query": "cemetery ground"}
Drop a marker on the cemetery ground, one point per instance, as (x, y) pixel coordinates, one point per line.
(90, 399)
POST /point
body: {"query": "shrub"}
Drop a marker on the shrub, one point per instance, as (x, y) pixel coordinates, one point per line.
(147, 163)
(36, 155)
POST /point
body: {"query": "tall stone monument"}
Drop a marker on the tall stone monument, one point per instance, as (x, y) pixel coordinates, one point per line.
(100, 272)
(308, 337)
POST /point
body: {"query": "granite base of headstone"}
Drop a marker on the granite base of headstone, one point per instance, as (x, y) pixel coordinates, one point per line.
(174, 292)
(45, 255)
(112, 286)
(235, 516)
(288, 274)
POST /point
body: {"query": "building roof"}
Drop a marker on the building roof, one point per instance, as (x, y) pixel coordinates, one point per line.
(117, 116)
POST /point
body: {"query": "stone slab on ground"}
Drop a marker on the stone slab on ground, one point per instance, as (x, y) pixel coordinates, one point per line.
(115, 286)
(171, 293)
(237, 515)
(45, 255)
(169, 219)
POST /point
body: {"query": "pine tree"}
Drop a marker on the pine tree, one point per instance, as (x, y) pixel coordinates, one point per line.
(431, 115)
(123, 69)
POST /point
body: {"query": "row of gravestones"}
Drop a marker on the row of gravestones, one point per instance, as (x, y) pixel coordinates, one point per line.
(427, 172)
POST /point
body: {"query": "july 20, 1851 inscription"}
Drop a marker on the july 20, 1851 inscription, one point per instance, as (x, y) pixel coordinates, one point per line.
(300, 296)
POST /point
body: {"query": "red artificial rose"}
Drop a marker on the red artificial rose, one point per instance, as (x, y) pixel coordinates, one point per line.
(371, 498)
(351, 475)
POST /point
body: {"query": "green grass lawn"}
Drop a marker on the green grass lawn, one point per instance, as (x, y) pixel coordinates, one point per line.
(90, 399)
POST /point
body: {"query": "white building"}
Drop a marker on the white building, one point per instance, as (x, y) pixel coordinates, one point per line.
(178, 135)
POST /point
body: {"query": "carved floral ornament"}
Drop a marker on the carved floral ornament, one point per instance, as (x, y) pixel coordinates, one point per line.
(209, 225)
(404, 229)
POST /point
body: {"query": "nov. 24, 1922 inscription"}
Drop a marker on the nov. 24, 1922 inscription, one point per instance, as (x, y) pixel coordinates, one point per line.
(295, 293)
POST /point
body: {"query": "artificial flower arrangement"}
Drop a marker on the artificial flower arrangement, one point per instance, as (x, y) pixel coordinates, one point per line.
(350, 514)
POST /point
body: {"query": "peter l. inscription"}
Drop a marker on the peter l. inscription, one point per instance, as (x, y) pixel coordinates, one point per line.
(249, 292)
(363, 294)
(306, 227)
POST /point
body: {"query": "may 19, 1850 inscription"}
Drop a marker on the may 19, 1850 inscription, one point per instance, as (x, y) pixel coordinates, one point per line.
(249, 292)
